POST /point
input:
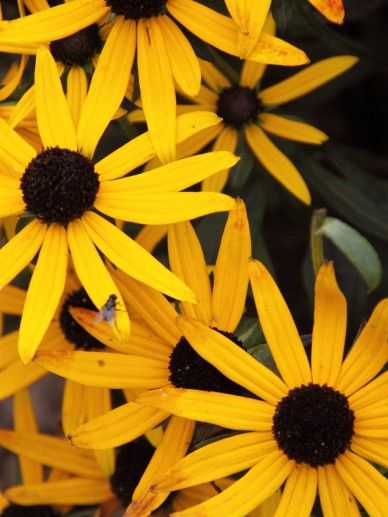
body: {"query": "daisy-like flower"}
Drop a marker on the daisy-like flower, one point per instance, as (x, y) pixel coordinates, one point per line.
(61, 187)
(247, 109)
(167, 359)
(316, 428)
(163, 53)
(333, 10)
(75, 477)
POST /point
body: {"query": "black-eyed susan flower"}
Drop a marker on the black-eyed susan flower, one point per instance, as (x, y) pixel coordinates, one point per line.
(163, 53)
(248, 109)
(333, 10)
(74, 478)
(61, 188)
(316, 429)
(167, 359)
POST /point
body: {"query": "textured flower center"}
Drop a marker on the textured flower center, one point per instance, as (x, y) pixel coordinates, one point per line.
(238, 105)
(79, 48)
(313, 424)
(189, 370)
(71, 329)
(59, 185)
(15, 510)
(137, 9)
(131, 461)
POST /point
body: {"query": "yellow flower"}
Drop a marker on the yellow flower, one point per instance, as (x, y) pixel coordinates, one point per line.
(75, 477)
(333, 10)
(163, 53)
(156, 355)
(247, 109)
(316, 428)
(61, 186)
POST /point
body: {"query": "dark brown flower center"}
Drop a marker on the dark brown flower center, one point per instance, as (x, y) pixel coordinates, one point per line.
(238, 105)
(313, 424)
(59, 185)
(189, 370)
(131, 461)
(137, 9)
(79, 48)
(73, 332)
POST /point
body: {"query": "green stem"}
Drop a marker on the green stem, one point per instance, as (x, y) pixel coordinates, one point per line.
(316, 239)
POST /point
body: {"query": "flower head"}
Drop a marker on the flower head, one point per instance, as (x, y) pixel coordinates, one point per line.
(315, 428)
(61, 189)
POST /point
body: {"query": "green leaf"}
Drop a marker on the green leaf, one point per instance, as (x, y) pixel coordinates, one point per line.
(355, 195)
(249, 332)
(356, 248)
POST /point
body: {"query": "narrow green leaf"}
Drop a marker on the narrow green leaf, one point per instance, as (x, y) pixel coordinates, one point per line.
(356, 248)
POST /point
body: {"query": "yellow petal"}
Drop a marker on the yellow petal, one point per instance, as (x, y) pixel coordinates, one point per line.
(187, 261)
(213, 77)
(108, 84)
(230, 411)
(173, 446)
(54, 23)
(183, 61)
(231, 271)
(157, 87)
(20, 250)
(89, 266)
(51, 451)
(276, 163)
(232, 361)
(172, 177)
(17, 376)
(372, 393)
(291, 129)
(335, 498)
(24, 420)
(307, 80)
(74, 491)
(299, 492)
(153, 308)
(162, 208)
(251, 73)
(119, 426)
(210, 26)
(221, 458)
(12, 300)
(44, 292)
(98, 403)
(365, 482)
(333, 10)
(279, 327)
(131, 258)
(260, 482)
(55, 124)
(11, 198)
(15, 152)
(140, 149)
(8, 348)
(150, 236)
(368, 355)
(77, 87)
(329, 327)
(9, 84)
(101, 369)
(250, 16)
(24, 107)
(372, 449)
(73, 405)
(275, 51)
(226, 141)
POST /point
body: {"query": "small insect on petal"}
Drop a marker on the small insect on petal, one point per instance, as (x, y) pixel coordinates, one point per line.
(107, 311)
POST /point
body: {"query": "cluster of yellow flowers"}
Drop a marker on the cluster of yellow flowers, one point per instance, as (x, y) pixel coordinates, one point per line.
(104, 314)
